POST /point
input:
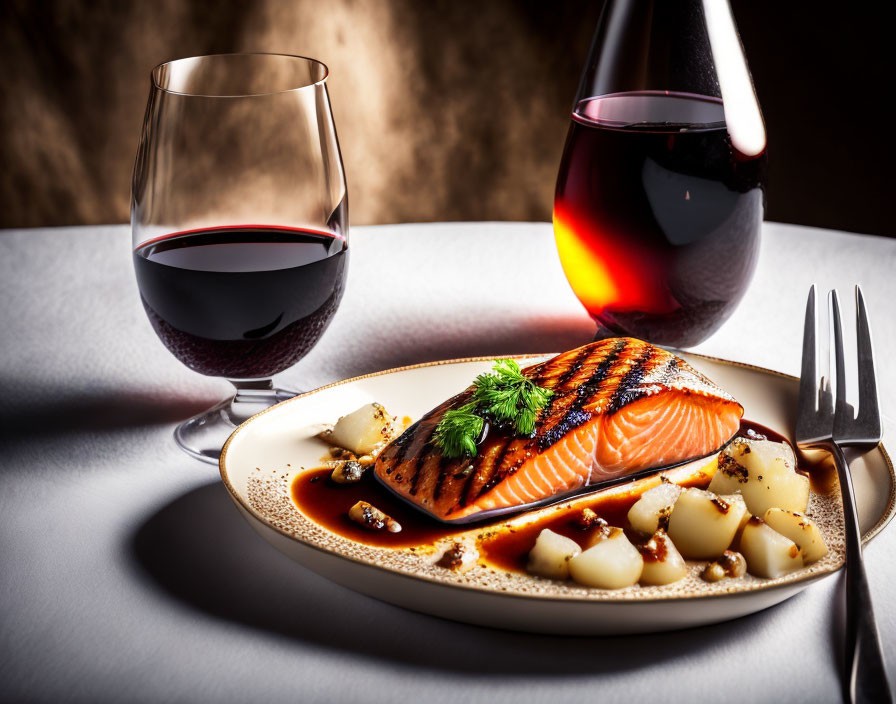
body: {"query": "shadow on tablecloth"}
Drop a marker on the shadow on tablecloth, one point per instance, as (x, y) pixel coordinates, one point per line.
(200, 551)
(31, 409)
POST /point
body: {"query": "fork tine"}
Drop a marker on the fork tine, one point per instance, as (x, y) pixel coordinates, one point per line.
(809, 391)
(844, 413)
(808, 378)
(839, 360)
(869, 414)
(825, 353)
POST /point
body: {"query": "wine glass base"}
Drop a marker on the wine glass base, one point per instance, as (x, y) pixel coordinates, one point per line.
(203, 436)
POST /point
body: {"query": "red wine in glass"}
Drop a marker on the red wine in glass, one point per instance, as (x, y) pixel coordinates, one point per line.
(240, 225)
(660, 195)
(657, 215)
(242, 302)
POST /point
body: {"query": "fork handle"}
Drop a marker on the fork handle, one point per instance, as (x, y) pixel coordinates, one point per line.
(866, 676)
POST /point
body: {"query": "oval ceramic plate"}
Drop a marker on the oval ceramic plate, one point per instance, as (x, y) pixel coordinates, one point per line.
(263, 456)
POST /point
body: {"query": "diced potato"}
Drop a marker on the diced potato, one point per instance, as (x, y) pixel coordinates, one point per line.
(653, 509)
(776, 486)
(551, 555)
(801, 530)
(764, 473)
(612, 563)
(735, 499)
(703, 525)
(759, 454)
(730, 475)
(663, 564)
(768, 553)
(363, 430)
(745, 458)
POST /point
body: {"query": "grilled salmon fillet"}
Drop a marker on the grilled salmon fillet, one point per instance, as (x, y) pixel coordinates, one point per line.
(619, 406)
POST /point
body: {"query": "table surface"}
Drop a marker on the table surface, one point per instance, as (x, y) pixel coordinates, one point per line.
(127, 575)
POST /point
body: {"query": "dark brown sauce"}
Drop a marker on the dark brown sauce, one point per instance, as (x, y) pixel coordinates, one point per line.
(504, 542)
(327, 503)
(820, 468)
(747, 425)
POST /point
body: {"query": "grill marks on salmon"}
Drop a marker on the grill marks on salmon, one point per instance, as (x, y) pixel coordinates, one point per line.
(620, 406)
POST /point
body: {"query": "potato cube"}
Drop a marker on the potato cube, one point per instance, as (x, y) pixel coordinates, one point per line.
(759, 454)
(663, 564)
(612, 563)
(776, 486)
(653, 509)
(801, 530)
(768, 553)
(551, 555)
(764, 473)
(746, 458)
(703, 525)
(738, 499)
(730, 475)
(363, 430)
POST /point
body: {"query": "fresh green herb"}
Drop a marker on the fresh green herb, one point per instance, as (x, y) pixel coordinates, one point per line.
(457, 432)
(505, 396)
(509, 396)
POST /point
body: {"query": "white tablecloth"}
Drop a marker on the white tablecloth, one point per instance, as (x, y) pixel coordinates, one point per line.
(127, 575)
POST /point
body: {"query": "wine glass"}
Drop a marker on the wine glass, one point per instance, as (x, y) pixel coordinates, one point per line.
(239, 216)
(660, 194)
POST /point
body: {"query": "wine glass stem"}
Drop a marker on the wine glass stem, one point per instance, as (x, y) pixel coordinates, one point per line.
(249, 390)
(203, 436)
(253, 396)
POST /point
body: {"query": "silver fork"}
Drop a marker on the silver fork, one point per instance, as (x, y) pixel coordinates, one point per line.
(826, 421)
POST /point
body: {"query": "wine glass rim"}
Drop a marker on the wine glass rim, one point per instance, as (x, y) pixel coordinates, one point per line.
(309, 84)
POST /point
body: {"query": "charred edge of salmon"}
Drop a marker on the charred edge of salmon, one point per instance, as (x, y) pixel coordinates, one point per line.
(405, 442)
(575, 415)
(612, 374)
(630, 388)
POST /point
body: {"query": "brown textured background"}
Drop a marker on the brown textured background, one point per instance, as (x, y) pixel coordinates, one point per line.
(446, 109)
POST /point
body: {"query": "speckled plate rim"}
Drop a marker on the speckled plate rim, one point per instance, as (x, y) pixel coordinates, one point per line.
(787, 582)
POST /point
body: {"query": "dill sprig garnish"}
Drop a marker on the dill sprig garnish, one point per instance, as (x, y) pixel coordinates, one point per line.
(505, 396)
(509, 396)
(457, 432)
